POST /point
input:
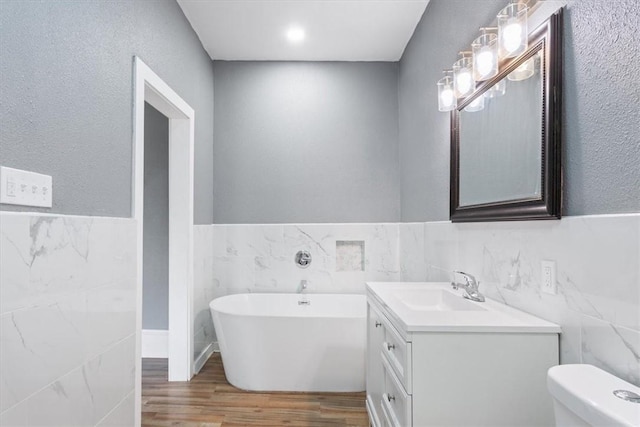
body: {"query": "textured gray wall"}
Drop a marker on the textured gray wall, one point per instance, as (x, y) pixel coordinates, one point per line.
(66, 95)
(601, 94)
(602, 107)
(305, 142)
(155, 296)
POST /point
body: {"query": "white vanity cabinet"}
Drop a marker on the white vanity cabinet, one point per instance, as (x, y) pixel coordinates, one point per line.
(426, 375)
(375, 379)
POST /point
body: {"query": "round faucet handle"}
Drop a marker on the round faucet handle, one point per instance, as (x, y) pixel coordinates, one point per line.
(303, 259)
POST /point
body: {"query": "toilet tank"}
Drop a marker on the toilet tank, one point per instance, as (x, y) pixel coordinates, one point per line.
(583, 396)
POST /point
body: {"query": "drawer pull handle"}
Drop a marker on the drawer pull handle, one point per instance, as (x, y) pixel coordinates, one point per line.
(390, 347)
(378, 324)
(391, 398)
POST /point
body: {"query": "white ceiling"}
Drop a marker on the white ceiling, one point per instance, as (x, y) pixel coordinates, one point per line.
(335, 30)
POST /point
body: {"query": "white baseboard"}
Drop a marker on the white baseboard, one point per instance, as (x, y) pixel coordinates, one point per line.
(155, 343)
(204, 356)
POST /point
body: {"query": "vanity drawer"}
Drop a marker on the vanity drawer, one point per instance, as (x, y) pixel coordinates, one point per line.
(396, 403)
(386, 418)
(398, 353)
(374, 420)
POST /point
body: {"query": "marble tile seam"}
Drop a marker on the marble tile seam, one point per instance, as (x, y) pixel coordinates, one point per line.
(72, 216)
(116, 407)
(61, 298)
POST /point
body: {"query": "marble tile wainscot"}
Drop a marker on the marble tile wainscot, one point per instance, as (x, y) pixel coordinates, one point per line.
(260, 258)
(67, 320)
(598, 276)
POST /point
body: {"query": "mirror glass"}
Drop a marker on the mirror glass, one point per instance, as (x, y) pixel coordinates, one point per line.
(500, 145)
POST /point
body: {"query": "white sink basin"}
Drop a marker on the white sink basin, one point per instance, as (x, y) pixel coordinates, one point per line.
(436, 307)
(434, 300)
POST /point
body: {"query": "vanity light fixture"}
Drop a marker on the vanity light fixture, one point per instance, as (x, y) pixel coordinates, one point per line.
(512, 30)
(485, 55)
(446, 98)
(295, 34)
(497, 90)
(524, 71)
(475, 105)
(487, 52)
(463, 83)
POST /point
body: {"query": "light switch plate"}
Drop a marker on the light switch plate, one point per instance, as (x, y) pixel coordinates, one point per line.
(24, 188)
(548, 277)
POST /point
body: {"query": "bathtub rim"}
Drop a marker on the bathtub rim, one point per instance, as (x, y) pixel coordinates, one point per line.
(292, 315)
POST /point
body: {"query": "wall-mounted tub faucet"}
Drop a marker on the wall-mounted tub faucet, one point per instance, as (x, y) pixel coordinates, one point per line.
(303, 286)
(471, 287)
(302, 289)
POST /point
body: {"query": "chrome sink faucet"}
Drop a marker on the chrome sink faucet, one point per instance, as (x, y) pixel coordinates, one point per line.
(471, 287)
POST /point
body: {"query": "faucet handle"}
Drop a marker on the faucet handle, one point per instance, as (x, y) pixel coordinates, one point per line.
(470, 279)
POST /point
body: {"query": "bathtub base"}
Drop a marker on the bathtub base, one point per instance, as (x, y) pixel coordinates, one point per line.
(306, 353)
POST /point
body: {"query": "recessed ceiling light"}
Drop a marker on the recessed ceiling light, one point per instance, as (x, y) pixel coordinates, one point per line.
(295, 34)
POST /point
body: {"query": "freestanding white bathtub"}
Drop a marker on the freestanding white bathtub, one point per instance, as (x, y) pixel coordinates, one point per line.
(270, 342)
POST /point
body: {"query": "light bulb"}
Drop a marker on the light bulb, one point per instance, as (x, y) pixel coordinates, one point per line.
(512, 37)
(463, 81)
(484, 62)
(513, 30)
(485, 56)
(446, 97)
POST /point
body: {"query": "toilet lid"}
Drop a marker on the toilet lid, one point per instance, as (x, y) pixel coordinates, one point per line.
(588, 392)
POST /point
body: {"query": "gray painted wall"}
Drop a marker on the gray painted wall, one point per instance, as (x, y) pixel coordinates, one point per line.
(601, 117)
(66, 95)
(305, 142)
(155, 297)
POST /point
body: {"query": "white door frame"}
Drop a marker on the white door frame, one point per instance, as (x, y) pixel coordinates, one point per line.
(152, 89)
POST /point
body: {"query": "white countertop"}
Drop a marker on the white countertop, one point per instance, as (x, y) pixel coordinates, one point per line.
(488, 316)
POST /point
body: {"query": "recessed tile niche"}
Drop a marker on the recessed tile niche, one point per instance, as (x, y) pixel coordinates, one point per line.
(349, 255)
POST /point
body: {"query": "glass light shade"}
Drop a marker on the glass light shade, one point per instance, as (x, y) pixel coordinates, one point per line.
(446, 97)
(512, 30)
(463, 84)
(485, 57)
(497, 90)
(524, 71)
(475, 105)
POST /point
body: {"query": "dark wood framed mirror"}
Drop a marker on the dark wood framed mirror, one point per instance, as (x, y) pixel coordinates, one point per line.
(506, 157)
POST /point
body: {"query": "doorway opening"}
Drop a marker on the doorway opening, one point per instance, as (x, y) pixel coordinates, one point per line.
(150, 88)
(155, 229)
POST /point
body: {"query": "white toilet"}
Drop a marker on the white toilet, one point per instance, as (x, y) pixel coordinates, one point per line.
(583, 396)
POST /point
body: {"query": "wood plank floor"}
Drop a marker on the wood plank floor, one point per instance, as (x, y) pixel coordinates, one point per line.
(208, 400)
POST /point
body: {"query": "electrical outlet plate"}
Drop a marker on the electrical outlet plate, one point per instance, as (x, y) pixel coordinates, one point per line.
(548, 277)
(24, 188)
